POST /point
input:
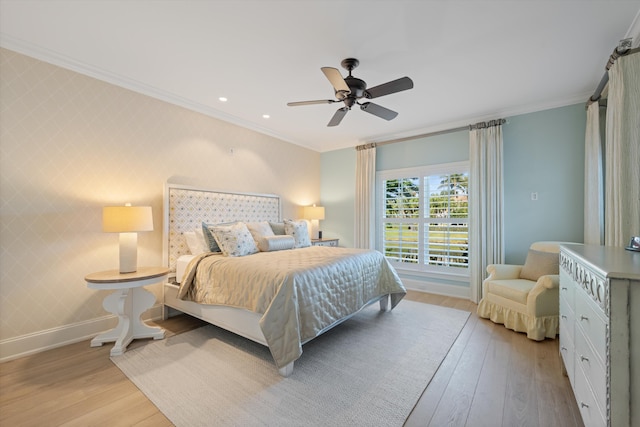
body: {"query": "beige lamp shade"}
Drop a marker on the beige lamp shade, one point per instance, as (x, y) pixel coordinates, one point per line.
(314, 212)
(126, 219)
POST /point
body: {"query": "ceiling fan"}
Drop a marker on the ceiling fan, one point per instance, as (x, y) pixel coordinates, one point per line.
(350, 90)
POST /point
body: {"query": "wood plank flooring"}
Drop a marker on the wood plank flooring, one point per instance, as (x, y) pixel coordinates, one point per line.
(491, 377)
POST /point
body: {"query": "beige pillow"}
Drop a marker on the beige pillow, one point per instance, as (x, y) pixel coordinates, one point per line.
(540, 264)
(259, 230)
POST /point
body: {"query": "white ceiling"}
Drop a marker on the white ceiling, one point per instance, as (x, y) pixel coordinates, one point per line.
(469, 60)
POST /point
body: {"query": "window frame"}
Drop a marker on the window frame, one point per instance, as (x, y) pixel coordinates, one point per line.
(421, 172)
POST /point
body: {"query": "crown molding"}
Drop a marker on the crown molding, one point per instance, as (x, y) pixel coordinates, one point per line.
(63, 61)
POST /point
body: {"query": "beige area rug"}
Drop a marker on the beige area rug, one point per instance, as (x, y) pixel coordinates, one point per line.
(368, 371)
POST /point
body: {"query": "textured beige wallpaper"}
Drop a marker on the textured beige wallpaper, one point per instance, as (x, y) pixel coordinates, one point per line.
(71, 144)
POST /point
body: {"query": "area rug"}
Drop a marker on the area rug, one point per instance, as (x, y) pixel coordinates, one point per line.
(368, 371)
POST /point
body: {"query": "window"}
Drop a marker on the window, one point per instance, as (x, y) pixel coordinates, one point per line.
(423, 217)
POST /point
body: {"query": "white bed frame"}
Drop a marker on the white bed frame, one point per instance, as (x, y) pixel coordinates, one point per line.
(185, 208)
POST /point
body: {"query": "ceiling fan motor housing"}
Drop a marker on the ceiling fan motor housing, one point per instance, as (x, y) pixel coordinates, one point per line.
(357, 88)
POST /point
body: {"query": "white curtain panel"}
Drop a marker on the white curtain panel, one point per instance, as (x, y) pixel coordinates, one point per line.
(622, 152)
(593, 179)
(365, 236)
(486, 240)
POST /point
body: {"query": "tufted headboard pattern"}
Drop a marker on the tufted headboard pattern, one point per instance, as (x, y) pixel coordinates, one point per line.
(185, 208)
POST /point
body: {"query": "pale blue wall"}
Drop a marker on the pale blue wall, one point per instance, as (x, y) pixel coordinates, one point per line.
(543, 153)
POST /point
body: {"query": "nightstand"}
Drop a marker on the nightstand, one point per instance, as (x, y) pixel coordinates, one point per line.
(128, 301)
(324, 242)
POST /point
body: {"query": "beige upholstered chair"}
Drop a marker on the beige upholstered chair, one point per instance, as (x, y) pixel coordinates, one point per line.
(524, 298)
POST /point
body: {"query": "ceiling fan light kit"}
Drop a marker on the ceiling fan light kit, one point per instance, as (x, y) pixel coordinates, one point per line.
(349, 90)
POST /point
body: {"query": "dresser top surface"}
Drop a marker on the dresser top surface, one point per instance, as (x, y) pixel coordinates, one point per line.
(613, 262)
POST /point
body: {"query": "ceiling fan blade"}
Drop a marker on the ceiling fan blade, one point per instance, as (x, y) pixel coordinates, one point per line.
(320, 101)
(388, 88)
(338, 116)
(379, 111)
(336, 79)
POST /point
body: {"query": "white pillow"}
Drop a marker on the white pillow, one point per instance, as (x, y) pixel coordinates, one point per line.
(299, 231)
(234, 240)
(259, 230)
(201, 239)
(193, 243)
(275, 243)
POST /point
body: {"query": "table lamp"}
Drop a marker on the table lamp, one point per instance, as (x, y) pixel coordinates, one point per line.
(128, 221)
(314, 213)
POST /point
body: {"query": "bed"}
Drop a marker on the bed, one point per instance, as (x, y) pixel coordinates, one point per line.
(278, 298)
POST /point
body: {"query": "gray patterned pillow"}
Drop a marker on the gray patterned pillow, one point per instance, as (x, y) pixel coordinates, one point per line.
(207, 233)
(299, 231)
(234, 240)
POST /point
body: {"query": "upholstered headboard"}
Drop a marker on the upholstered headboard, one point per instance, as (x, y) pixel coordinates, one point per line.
(185, 208)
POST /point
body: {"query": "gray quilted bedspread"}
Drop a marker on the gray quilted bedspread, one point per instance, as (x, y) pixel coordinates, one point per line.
(299, 293)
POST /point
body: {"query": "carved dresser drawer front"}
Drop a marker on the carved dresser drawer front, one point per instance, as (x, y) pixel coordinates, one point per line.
(591, 413)
(567, 321)
(593, 369)
(567, 288)
(593, 323)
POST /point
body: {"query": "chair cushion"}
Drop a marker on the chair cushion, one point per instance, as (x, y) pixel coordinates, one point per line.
(512, 289)
(540, 264)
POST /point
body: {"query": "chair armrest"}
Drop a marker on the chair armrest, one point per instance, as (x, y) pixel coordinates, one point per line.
(503, 271)
(549, 281)
(543, 299)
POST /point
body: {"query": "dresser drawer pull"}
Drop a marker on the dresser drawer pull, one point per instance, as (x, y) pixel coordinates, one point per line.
(563, 348)
(564, 288)
(584, 358)
(583, 405)
(564, 317)
(584, 318)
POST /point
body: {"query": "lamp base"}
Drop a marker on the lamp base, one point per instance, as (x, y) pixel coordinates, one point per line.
(314, 229)
(128, 252)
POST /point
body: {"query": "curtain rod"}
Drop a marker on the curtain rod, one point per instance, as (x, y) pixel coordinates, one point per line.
(479, 125)
(623, 48)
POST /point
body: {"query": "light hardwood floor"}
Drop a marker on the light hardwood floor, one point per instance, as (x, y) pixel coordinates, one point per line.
(491, 377)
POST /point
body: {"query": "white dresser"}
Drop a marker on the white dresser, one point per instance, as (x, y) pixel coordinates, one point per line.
(600, 332)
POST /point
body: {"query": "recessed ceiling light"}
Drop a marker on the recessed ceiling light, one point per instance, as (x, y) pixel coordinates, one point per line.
(222, 99)
(265, 116)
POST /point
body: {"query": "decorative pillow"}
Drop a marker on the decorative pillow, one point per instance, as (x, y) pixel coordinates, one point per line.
(207, 233)
(540, 264)
(234, 240)
(259, 230)
(278, 228)
(276, 243)
(299, 231)
(193, 243)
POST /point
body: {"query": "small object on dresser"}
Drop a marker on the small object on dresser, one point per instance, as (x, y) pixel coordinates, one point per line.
(324, 242)
(320, 234)
(634, 244)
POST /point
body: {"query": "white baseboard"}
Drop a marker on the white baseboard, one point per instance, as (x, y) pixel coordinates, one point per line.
(24, 345)
(438, 288)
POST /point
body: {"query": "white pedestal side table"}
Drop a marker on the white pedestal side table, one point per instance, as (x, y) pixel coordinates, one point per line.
(128, 301)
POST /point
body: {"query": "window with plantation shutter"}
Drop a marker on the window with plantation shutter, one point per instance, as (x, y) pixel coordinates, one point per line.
(423, 218)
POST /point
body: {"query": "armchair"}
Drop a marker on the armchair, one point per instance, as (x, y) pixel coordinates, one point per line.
(525, 298)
